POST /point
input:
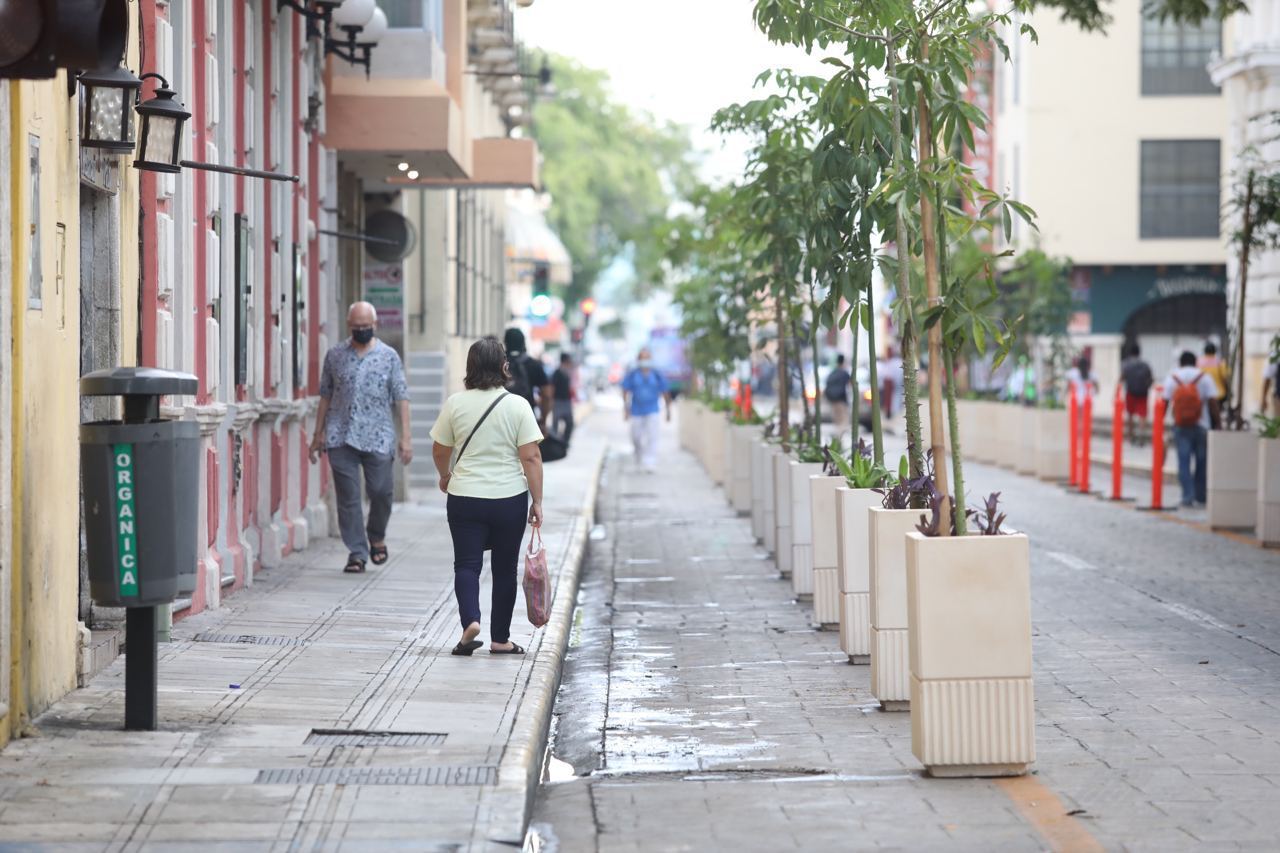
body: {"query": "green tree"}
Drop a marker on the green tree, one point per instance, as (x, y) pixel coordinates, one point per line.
(613, 174)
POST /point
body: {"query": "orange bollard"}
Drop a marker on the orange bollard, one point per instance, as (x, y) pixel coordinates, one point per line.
(747, 404)
(1157, 452)
(1117, 447)
(1086, 442)
(736, 389)
(1073, 432)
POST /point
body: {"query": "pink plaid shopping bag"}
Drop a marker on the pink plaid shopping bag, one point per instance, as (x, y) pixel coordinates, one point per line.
(537, 583)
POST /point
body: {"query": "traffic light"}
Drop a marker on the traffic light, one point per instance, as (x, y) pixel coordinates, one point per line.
(37, 37)
(540, 304)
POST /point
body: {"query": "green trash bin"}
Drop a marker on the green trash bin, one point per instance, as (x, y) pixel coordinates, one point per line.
(140, 482)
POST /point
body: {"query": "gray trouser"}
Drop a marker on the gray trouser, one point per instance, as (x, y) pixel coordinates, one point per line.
(345, 462)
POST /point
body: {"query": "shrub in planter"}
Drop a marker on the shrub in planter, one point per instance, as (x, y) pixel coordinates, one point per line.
(969, 612)
(864, 481)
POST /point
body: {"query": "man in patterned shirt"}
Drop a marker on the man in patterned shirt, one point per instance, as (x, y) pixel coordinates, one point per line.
(362, 382)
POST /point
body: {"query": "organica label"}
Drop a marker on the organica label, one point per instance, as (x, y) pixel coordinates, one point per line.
(126, 538)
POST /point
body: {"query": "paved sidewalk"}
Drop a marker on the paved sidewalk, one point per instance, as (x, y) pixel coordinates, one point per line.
(701, 711)
(237, 764)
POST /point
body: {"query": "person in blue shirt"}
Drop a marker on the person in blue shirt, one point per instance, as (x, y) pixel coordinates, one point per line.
(644, 391)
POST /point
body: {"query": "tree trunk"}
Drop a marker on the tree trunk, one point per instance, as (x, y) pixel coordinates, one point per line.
(1246, 233)
(933, 289)
(784, 374)
(910, 386)
(855, 403)
(953, 416)
(817, 368)
(799, 366)
(873, 370)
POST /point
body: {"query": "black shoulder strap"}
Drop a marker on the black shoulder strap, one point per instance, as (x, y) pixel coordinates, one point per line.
(465, 444)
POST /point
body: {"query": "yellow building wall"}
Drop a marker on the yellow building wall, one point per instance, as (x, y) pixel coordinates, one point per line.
(46, 370)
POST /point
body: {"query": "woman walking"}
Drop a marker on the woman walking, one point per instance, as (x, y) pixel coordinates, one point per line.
(490, 479)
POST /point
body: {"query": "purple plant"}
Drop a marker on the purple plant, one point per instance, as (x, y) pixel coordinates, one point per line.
(911, 493)
(990, 519)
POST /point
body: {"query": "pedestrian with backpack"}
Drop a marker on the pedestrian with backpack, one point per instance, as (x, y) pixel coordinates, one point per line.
(486, 453)
(1193, 404)
(836, 393)
(527, 377)
(1137, 378)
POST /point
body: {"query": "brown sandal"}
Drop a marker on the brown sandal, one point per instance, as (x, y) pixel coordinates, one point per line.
(354, 566)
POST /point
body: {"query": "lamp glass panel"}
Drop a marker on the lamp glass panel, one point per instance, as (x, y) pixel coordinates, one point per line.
(108, 114)
(158, 140)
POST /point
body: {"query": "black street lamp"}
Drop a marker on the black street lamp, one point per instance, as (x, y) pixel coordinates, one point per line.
(319, 14)
(163, 118)
(108, 101)
(364, 24)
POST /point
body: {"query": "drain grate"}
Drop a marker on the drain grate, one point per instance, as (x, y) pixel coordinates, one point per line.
(250, 639)
(355, 737)
(451, 776)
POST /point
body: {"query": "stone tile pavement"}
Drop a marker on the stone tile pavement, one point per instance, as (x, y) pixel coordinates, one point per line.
(309, 648)
(702, 711)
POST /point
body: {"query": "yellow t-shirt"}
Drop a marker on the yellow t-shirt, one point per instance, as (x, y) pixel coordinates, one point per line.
(491, 466)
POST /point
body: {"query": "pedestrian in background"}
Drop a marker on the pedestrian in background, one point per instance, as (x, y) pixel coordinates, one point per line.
(529, 378)
(1216, 369)
(889, 372)
(490, 481)
(562, 388)
(361, 384)
(1193, 405)
(1137, 378)
(836, 392)
(644, 390)
(1081, 380)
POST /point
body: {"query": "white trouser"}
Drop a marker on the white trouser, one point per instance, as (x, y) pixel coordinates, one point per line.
(644, 435)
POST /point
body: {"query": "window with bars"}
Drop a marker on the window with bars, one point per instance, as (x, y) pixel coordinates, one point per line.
(1175, 56)
(1180, 188)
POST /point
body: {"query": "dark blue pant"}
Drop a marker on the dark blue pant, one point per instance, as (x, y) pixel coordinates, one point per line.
(483, 524)
(1193, 445)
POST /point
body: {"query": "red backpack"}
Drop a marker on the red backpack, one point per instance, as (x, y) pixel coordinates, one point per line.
(1187, 405)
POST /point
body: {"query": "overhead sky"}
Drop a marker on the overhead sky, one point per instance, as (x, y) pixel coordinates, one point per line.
(680, 60)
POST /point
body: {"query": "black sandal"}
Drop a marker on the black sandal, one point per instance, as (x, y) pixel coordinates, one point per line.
(465, 649)
(378, 554)
(515, 649)
(354, 566)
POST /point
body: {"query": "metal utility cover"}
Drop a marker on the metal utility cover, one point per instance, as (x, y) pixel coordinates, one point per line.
(451, 776)
(250, 639)
(356, 737)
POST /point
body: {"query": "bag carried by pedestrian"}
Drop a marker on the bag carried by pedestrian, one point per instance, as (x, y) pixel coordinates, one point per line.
(1187, 404)
(553, 447)
(520, 384)
(537, 582)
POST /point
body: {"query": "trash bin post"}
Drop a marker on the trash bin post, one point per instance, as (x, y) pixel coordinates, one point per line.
(139, 483)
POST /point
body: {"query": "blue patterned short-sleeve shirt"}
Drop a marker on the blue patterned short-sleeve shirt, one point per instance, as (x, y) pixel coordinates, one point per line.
(362, 391)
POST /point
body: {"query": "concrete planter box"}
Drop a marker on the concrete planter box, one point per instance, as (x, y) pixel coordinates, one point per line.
(802, 527)
(890, 666)
(823, 523)
(689, 413)
(758, 459)
(983, 437)
(1053, 444)
(1232, 479)
(969, 610)
(1028, 427)
(782, 512)
(769, 532)
(739, 473)
(716, 437)
(853, 570)
(1008, 421)
(1269, 491)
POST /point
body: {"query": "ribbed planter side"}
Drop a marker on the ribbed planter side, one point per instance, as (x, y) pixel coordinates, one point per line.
(888, 548)
(855, 626)
(769, 529)
(802, 527)
(782, 512)
(758, 457)
(969, 615)
(822, 525)
(1269, 492)
(739, 474)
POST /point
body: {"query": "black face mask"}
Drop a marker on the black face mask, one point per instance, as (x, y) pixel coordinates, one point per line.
(362, 336)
